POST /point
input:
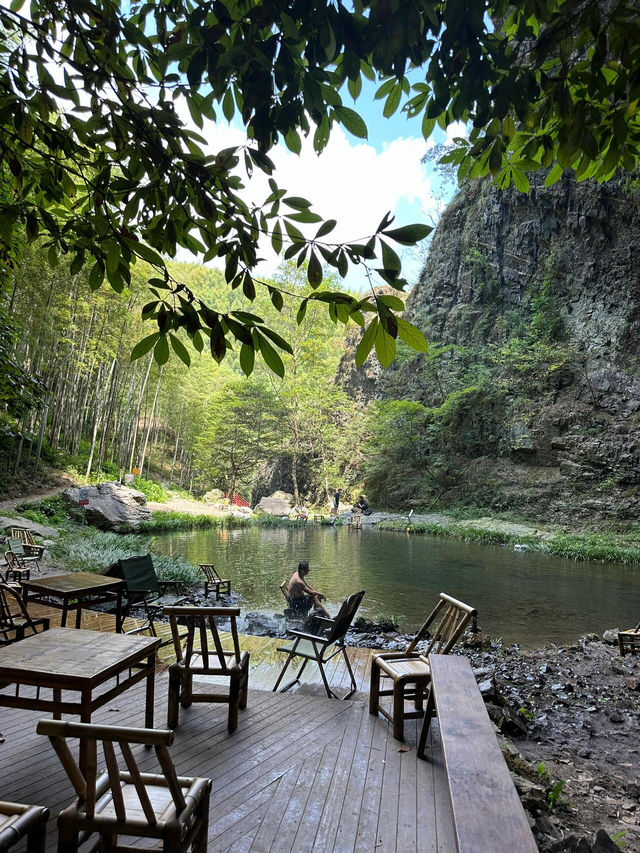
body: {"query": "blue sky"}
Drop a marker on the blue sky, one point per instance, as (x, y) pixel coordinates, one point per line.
(356, 181)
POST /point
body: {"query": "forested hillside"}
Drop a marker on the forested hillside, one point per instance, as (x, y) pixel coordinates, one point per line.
(77, 400)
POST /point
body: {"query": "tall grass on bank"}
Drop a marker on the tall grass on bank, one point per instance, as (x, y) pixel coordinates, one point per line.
(162, 521)
(93, 550)
(600, 547)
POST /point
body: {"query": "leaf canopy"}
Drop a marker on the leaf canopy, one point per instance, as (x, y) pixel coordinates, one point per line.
(100, 165)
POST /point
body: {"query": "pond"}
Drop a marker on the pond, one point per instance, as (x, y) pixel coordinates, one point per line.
(524, 597)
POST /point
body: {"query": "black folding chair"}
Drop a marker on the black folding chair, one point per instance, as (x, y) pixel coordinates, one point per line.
(321, 648)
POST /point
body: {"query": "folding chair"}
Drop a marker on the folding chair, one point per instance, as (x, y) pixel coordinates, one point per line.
(144, 589)
(204, 654)
(322, 648)
(118, 802)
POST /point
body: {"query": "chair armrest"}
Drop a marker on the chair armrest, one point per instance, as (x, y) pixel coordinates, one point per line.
(34, 551)
(394, 656)
(304, 636)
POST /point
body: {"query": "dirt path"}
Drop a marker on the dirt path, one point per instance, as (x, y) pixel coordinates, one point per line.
(9, 504)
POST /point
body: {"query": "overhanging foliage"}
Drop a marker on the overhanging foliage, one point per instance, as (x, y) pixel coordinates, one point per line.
(97, 161)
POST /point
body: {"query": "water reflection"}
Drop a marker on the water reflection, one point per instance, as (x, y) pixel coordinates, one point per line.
(528, 598)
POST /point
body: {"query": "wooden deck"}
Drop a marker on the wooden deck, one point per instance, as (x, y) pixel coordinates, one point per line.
(301, 772)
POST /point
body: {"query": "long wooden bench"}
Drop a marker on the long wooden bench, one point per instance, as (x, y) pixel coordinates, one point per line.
(487, 812)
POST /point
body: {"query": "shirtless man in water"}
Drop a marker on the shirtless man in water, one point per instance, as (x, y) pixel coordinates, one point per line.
(301, 595)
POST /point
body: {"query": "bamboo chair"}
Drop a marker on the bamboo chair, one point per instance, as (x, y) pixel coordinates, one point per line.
(322, 649)
(204, 654)
(17, 570)
(409, 670)
(18, 821)
(15, 622)
(213, 580)
(629, 641)
(118, 802)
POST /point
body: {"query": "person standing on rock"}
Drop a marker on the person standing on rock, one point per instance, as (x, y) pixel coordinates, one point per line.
(336, 501)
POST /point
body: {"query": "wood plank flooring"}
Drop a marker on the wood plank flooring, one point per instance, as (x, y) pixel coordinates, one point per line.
(301, 773)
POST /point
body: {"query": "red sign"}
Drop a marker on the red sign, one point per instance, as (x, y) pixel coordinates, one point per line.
(83, 503)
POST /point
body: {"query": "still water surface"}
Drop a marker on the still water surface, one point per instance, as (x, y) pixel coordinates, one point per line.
(526, 598)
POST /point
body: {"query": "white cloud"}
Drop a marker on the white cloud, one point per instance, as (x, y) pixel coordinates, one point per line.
(350, 182)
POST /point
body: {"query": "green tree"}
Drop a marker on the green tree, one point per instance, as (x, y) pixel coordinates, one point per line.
(102, 167)
(241, 430)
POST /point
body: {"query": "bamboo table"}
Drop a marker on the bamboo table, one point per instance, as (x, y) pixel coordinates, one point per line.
(80, 662)
(74, 591)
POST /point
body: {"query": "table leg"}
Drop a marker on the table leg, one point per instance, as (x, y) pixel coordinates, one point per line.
(78, 615)
(426, 722)
(119, 617)
(65, 607)
(85, 717)
(57, 697)
(151, 676)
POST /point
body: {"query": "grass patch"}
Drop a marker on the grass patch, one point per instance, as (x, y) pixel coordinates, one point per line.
(162, 520)
(598, 547)
(590, 546)
(91, 550)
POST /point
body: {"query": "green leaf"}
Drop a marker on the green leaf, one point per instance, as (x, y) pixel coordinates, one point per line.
(161, 350)
(96, 276)
(393, 302)
(520, 180)
(270, 356)
(276, 298)
(554, 175)
(409, 235)
(146, 253)
(412, 336)
(247, 359)
(314, 271)
(366, 343)
(325, 228)
(276, 238)
(292, 141)
(302, 310)
(144, 346)
(351, 121)
(385, 347)
(180, 350)
(393, 101)
(278, 340)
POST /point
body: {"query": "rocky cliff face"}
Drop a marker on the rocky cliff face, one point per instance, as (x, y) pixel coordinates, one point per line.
(536, 301)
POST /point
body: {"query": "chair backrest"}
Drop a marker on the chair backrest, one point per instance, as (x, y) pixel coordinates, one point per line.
(16, 546)
(284, 589)
(111, 736)
(444, 625)
(14, 561)
(203, 637)
(345, 617)
(23, 534)
(209, 571)
(139, 574)
(15, 621)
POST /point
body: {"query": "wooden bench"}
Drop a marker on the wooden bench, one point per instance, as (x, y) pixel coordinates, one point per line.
(487, 812)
